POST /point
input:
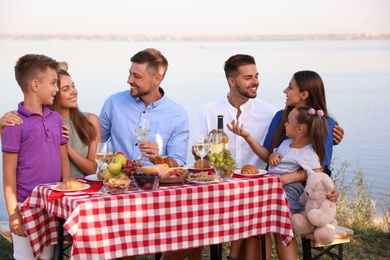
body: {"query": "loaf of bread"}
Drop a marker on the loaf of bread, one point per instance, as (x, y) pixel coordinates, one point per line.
(160, 168)
(198, 164)
(71, 184)
(249, 169)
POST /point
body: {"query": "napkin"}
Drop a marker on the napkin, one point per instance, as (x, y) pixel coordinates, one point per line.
(94, 187)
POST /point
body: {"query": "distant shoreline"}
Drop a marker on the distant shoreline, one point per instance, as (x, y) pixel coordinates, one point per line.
(138, 37)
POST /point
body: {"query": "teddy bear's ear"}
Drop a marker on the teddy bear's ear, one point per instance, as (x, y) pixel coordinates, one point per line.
(328, 183)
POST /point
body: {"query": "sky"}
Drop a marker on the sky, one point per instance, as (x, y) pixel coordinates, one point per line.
(197, 17)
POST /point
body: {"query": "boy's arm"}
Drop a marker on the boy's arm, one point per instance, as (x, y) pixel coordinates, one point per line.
(65, 165)
(10, 162)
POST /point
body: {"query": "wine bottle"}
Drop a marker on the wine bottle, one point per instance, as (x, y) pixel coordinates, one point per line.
(220, 139)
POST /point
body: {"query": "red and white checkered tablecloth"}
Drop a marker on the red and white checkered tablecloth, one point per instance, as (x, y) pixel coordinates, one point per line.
(169, 218)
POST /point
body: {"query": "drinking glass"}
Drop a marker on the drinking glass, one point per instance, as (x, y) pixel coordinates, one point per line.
(104, 156)
(202, 146)
(216, 145)
(142, 132)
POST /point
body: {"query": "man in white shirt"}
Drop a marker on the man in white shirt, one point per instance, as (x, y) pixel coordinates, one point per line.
(241, 105)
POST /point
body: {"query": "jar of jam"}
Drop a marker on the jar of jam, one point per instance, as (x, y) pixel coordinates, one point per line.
(161, 159)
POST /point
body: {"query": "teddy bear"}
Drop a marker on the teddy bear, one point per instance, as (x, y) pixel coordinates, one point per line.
(320, 212)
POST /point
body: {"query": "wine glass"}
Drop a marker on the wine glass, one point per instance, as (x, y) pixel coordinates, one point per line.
(216, 142)
(104, 155)
(202, 146)
(142, 132)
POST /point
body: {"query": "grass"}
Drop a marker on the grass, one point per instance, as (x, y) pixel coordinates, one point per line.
(355, 210)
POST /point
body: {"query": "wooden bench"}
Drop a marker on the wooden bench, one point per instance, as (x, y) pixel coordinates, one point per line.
(4, 230)
(343, 235)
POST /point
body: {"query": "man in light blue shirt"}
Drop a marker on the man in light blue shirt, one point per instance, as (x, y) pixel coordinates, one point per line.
(168, 120)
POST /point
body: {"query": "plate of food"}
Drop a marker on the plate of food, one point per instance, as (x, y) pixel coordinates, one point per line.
(261, 172)
(202, 178)
(70, 185)
(202, 182)
(55, 187)
(92, 177)
(175, 176)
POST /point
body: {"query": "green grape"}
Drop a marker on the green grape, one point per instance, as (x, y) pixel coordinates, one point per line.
(224, 162)
(212, 159)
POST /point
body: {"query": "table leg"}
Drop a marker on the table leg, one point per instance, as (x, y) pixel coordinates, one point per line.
(216, 252)
(60, 240)
(263, 248)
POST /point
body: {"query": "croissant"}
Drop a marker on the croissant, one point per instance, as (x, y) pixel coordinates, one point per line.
(249, 169)
(71, 184)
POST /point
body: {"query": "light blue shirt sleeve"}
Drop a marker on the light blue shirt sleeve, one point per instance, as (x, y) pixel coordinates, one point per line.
(105, 123)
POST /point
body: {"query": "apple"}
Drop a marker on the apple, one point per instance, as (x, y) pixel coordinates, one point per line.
(122, 153)
(120, 158)
(114, 167)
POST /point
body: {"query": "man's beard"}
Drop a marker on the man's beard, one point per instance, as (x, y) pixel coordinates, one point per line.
(140, 94)
(245, 94)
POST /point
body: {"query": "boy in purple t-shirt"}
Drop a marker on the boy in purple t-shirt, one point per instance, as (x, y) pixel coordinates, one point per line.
(33, 152)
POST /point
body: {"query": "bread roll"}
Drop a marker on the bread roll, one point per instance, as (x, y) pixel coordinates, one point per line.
(249, 169)
(198, 164)
(71, 184)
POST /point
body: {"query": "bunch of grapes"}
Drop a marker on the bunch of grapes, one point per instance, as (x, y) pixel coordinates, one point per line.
(223, 161)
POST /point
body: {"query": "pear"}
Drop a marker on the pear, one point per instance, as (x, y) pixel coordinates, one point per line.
(107, 174)
(120, 174)
(114, 167)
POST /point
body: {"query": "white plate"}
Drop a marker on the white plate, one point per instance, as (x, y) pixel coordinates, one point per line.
(261, 172)
(92, 178)
(202, 182)
(54, 187)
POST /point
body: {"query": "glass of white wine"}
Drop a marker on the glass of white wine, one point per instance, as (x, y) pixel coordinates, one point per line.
(142, 131)
(104, 156)
(202, 146)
